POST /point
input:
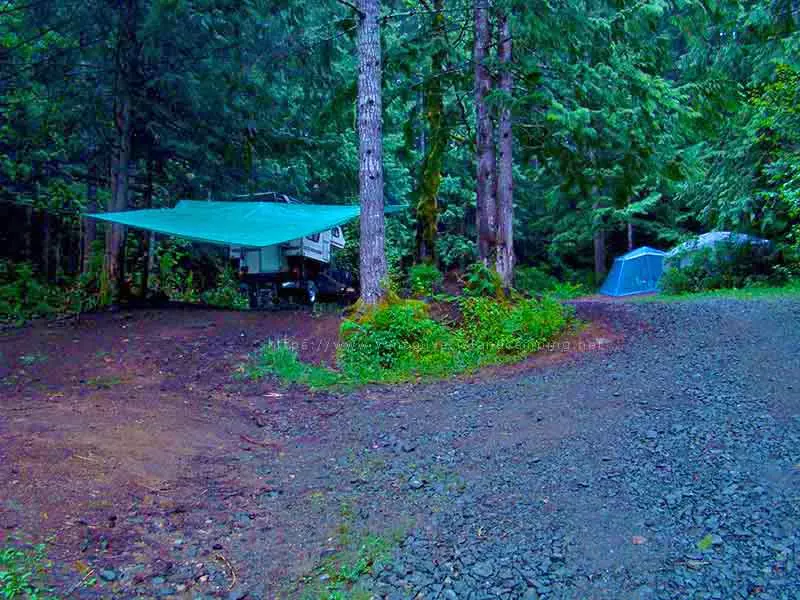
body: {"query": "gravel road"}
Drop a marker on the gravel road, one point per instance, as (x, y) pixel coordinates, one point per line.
(665, 464)
(667, 468)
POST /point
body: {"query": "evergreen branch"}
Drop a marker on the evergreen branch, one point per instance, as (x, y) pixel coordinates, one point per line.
(353, 6)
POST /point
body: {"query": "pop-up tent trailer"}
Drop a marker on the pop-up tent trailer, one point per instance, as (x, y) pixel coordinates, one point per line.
(683, 254)
(636, 272)
(267, 238)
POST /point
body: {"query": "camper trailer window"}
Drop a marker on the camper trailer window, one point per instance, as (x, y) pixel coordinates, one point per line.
(313, 238)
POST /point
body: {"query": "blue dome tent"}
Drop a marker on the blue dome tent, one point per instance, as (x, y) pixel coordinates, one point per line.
(636, 272)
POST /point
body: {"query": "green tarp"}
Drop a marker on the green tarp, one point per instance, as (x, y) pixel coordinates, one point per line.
(251, 224)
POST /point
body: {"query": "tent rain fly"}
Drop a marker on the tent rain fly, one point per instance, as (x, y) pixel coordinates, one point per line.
(247, 224)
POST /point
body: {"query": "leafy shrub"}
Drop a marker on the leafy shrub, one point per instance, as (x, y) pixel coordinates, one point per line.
(725, 265)
(395, 335)
(23, 296)
(482, 281)
(19, 571)
(226, 294)
(399, 340)
(533, 281)
(424, 280)
(88, 292)
(498, 328)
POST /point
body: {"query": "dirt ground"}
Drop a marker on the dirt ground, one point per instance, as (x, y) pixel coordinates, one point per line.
(128, 445)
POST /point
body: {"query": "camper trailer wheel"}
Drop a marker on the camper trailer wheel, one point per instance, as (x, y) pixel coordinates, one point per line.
(266, 296)
(311, 288)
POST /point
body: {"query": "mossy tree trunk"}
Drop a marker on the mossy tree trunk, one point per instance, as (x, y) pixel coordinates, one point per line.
(486, 211)
(505, 164)
(427, 206)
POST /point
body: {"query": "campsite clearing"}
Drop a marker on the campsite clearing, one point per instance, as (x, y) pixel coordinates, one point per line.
(655, 456)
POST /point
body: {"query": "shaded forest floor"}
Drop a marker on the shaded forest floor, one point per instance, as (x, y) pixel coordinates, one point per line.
(592, 470)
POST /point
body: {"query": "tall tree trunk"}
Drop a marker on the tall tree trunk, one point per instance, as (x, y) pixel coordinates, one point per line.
(427, 209)
(630, 236)
(89, 225)
(113, 266)
(46, 244)
(599, 240)
(120, 175)
(505, 164)
(148, 238)
(370, 152)
(28, 233)
(485, 196)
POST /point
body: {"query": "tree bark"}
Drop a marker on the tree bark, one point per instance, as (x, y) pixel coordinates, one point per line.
(630, 236)
(89, 225)
(28, 233)
(505, 164)
(370, 152)
(599, 240)
(427, 209)
(113, 266)
(485, 193)
(46, 244)
(147, 238)
(120, 175)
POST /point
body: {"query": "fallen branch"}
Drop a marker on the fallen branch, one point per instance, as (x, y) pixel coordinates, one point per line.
(227, 563)
(263, 444)
(89, 573)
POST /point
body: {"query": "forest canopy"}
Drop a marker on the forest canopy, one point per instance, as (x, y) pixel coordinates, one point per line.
(630, 122)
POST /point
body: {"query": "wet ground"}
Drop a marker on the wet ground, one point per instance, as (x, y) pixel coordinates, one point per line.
(655, 455)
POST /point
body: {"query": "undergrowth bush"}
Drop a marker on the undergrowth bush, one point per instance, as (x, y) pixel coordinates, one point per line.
(398, 340)
(226, 294)
(23, 296)
(482, 281)
(394, 337)
(533, 281)
(511, 329)
(424, 280)
(20, 571)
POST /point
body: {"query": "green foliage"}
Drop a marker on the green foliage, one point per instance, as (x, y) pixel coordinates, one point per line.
(481, 281)
(343, 571)
(88, 293)
(174, 278)
(226, 294)
(726, 265)
(393, 341)
(21, 569)
(23, 296)
(534, 281)
(500, 329)
(280, 360)
(398, 340)
(424, 280)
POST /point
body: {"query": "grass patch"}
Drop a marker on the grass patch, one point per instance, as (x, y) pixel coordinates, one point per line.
(281, 361)
(340, 574)
(21, 572)
(104, 382)
(791, 290)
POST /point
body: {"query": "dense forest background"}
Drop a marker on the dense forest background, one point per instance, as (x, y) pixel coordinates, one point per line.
(634, 121)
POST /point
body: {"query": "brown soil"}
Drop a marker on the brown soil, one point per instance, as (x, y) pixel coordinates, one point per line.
(128, 444)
